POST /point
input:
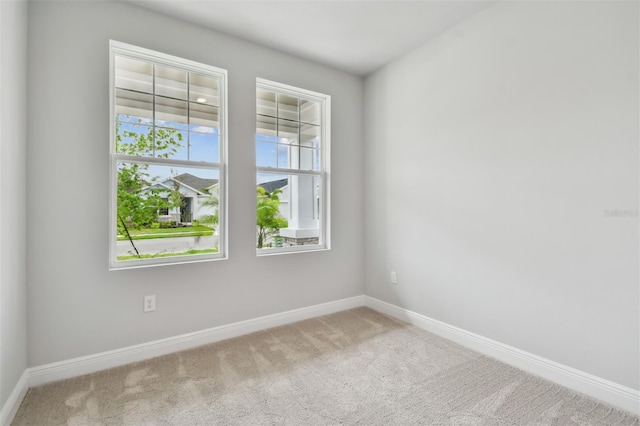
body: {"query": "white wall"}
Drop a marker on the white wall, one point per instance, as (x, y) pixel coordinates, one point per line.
(492, 154)
(78, 307)
(13, 148)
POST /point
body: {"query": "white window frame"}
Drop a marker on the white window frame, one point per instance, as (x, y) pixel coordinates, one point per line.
(324, 242)
(135, 52)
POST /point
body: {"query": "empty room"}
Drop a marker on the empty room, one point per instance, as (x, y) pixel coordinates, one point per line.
(319, 212)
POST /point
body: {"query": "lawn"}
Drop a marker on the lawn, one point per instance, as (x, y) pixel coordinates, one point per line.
(153, 256)
(149, 233)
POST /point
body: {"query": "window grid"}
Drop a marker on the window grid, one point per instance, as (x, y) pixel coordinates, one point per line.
(188, 131)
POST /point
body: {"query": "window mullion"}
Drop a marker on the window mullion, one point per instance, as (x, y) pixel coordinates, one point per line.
(164, 161)
(189, 115)
(153, 110)
(299, 135)
(279, 171)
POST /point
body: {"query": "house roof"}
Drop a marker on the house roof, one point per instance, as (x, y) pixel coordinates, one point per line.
(196, 182)
(274, 184)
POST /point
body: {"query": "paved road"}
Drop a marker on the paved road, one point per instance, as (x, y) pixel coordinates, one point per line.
(160, 245)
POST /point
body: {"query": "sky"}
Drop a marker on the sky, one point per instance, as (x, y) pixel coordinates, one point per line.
(204, 146)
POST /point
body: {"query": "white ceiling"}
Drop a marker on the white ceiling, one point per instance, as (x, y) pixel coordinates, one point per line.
(357, 36)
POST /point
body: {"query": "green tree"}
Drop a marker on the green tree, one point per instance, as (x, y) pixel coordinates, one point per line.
(211, 219)
(138, 205)
(268, 218)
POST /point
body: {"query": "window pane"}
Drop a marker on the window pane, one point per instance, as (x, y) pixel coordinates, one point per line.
(203, 117)
(309, 112)
(266, 154)
(272, 208)
(171, 82)
(204, 147)
(309, 135)
(303, 158)
(133, 75)
(134, 139)
(204, 90)
(171, 113)
(265, 126)
(288, 107)
(266, 103)
(284, 156)
(288, 131)
(157, 207)
(303, 226)
(288, 210)
(170, 143)
(133, 107)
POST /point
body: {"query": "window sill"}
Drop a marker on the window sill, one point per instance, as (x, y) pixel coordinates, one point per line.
(178, 260)
(290, 250)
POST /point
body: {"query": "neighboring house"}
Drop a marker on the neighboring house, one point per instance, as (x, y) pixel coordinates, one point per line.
(194, 192)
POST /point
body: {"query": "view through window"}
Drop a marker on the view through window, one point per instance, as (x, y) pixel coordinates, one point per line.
(168, 158)
(292, 145)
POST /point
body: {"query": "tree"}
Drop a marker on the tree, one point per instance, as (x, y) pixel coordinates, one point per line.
(138, 205)
(268, 218)
(211, 201)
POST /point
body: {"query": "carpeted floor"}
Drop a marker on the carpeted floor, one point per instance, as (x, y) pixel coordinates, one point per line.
(357, 367)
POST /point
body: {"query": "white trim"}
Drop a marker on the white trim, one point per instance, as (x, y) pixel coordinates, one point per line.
(605, 390)
(92, 363)
(136, 52)
(326, 181)
(286, 172)
(123, 158)
(10, 408)
(270, 251)
(287, 89)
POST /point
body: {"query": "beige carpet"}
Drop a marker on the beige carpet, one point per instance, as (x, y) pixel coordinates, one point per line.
(354, 368)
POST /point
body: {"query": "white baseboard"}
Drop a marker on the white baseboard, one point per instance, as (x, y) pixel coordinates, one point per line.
(10, 407)
(613, 393)
(101, 361)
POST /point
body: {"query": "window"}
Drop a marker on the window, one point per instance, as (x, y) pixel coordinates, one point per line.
(168, 159)
(292, 168)
(164, 211)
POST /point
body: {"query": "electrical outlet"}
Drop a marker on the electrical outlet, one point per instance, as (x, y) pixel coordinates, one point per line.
(394, 277)
(150, 303)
